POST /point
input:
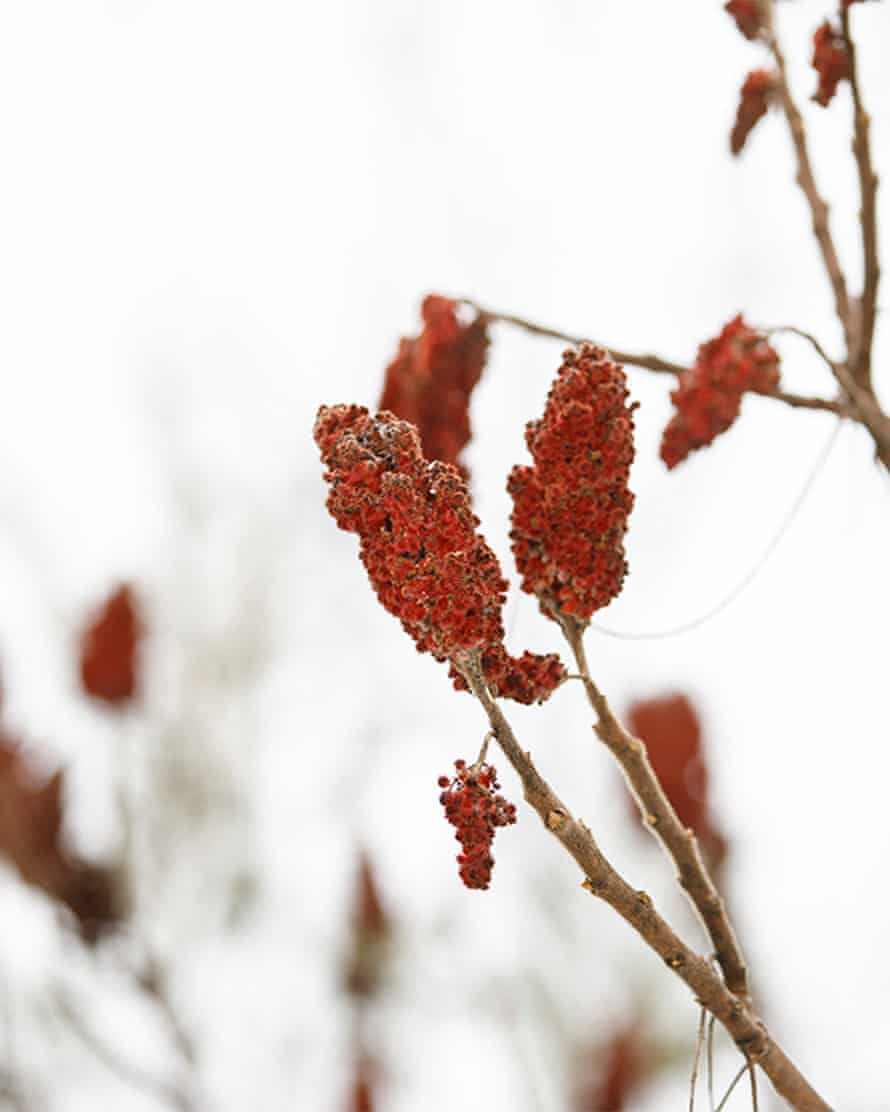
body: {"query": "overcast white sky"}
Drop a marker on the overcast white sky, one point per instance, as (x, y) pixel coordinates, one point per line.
(214, 217)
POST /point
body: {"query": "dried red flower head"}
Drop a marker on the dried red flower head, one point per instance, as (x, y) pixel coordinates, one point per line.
(31, 839)
(758, 92)
(748, 15)
(418, 541)
(570, 508)
(670, 728)
(108, 650)
(708, 397)
(370, 934)
(830, 60)
(430, 381)
(474, 807)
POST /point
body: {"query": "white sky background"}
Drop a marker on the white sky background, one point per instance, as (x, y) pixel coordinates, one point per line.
(214, 217)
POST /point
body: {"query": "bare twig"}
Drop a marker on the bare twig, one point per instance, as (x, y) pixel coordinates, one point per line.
(637, 909)
(752, 1073)
(652, 363)
(710, 1051)
(778, 329)
(807, 182)
(738, 1077)
(699, 1042)
(868, 186)
(660, 818)
(127, 1071)
(152, 979)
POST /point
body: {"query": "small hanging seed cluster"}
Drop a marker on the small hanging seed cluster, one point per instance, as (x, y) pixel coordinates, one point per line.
(474, 808)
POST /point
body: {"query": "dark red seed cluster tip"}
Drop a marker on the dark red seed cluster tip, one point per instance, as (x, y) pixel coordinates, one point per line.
(109, 649)
(708, 397)
(430, 381)
(748, 15)
(475, 808)
(830, 60)
(570, 508)
(757, 94)
(419, 543)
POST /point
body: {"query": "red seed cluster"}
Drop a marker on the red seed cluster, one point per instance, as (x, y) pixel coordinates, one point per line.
(708, 396)
(418, 541)
(748, 15)
(570, 508)
(474, 808)
(430, 380)
(108, 651)
(756, 96)
(830, 60)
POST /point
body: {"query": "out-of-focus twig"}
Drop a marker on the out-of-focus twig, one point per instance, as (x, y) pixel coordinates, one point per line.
(108, 1055)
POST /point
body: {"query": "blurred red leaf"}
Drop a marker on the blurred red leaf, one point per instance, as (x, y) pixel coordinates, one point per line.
(670, 728)
(30, 837)
(370, 934)
(108, 651)
(361, 1093)
(610, 1076)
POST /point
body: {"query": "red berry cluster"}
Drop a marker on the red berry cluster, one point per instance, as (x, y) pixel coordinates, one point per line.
(475, 810)
(830, 60)
(426, 561)
(748, 15)
(570, 508)
(757, 93)
(430, 380)
(708, 396)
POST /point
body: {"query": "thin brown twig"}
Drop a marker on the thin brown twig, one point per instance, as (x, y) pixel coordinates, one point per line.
(652, 363)
(699, 1042)
(868, 186)
(710, 1057)
(778, 329)
(752, 1073)
(738, 1077)
(660, 818)
(807, 181)
(637, 909)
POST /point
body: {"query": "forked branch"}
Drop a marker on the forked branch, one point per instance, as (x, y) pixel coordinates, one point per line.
(637, 909)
